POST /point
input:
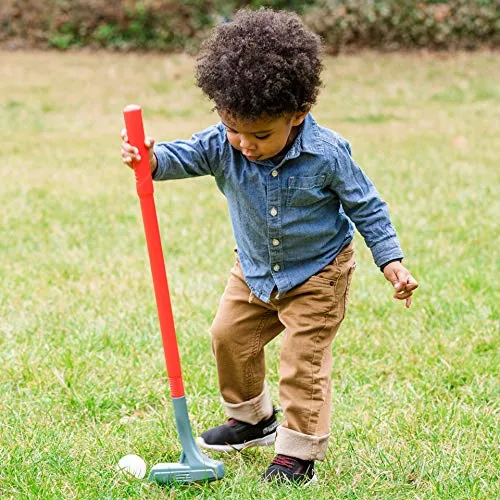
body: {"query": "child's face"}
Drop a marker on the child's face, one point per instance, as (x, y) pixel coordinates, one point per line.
(263, 138)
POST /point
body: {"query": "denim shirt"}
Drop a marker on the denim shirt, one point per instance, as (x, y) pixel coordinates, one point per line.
(292, 218)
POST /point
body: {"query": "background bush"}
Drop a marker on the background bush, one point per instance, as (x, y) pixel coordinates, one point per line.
(123, 24)
(401, 24)
(181, 25)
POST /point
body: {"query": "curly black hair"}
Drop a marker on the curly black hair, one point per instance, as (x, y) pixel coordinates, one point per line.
(264, 63)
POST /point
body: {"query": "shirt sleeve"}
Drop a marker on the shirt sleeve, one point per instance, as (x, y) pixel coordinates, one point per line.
(363, 205)
(200, 155)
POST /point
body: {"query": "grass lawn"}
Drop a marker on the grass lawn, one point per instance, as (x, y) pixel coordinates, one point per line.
(83, 379)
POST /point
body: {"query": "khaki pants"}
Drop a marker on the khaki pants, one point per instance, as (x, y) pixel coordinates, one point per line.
(310, 314)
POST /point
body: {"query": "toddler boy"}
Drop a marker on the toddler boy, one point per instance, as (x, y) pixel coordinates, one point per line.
(294, 195)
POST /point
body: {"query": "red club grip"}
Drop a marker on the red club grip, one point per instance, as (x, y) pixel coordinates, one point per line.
(144, 185)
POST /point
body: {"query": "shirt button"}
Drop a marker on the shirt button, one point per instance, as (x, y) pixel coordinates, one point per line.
(276, 267)
(276, 242)
(273, 212)
(274, 173)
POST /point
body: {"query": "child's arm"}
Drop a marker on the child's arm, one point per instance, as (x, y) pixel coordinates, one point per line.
(180, 159)
(369, 213)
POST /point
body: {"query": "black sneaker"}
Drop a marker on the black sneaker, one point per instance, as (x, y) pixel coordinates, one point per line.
(285, 469)
(235, 435)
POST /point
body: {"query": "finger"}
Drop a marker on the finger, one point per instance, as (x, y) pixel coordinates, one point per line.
(129, 151)
(402, 280)
(128, 154)
(128, 162)
(411, 283)
(408, 302)
(393, 278)
(149, 142)
(124, 135)
(402, 295)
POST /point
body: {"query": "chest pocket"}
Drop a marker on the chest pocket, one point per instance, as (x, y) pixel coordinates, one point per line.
(303, 191)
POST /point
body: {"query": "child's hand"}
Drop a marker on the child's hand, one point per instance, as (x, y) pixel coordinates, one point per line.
(131, 154)
(403, 282)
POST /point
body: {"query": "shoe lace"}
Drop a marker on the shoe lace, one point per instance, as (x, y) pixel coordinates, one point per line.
(285, 461)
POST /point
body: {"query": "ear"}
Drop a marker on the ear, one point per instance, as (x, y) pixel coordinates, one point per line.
(300, 116)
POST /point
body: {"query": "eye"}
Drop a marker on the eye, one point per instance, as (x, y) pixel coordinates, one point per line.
(262, 136)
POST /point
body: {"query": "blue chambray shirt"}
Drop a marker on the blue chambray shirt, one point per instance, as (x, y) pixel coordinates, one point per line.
(292, 218)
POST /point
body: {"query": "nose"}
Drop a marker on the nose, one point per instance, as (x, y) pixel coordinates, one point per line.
(246, 143)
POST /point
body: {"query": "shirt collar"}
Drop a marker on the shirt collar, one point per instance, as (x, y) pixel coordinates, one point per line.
(307, 141)
(308, 138)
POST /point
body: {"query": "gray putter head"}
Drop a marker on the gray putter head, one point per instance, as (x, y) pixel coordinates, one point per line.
(193, 465)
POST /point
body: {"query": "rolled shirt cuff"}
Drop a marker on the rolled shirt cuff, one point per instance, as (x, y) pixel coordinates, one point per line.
(387, 250)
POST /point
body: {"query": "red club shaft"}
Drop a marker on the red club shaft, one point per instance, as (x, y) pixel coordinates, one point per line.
(144, 185)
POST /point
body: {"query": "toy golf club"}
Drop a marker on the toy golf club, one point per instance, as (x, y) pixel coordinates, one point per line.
(193, 464)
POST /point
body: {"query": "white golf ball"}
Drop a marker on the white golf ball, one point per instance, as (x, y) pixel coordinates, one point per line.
(133, 464)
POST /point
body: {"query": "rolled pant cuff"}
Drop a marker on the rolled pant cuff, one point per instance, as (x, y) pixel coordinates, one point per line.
(298, 445)
(251, 411)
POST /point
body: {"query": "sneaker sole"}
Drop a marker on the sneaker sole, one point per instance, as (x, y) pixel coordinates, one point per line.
(311, 481)
(265, 441)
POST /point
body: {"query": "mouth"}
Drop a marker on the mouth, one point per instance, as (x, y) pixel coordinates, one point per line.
(250, 157)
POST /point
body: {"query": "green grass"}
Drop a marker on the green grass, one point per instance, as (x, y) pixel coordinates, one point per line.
(83, 381)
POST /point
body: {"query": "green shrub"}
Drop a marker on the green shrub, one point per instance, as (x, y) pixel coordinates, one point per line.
(401, 24)
(125, 24)
(294, 5)
(182, 24)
